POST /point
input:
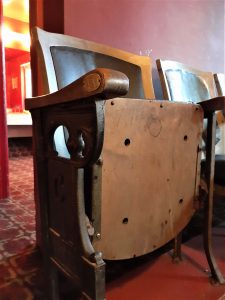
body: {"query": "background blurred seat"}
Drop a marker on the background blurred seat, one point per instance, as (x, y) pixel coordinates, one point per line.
(182, 83)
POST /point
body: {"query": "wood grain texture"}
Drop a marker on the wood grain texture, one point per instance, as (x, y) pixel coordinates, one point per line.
(149, 176)
(105, 82)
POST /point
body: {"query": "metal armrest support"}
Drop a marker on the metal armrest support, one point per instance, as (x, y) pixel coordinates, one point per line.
(214, 104)
(210, 107)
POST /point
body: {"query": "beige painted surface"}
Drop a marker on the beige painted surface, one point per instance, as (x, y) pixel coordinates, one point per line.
(149, 184)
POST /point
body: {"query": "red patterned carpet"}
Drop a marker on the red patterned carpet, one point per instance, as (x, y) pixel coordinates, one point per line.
(152, 277)
(19, 260)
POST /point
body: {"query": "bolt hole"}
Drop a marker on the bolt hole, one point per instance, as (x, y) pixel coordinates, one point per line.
(112, 102)
(181, 201)
(125, 220)
(127, 142)
(185, 138)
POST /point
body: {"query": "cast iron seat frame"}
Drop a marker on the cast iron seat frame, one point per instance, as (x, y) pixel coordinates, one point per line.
(220, 159)
(82, 108)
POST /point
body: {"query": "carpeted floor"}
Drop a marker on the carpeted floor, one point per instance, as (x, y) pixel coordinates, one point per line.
(152, 277)
(19, 260)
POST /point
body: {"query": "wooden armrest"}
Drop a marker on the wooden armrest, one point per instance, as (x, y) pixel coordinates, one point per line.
(213, 104)
(106, 83)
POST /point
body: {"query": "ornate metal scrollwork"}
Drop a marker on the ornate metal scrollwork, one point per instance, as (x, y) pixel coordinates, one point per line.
(75, 134)
(78, 145)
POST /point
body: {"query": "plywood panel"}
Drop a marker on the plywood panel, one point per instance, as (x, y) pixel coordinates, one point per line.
(149, 174)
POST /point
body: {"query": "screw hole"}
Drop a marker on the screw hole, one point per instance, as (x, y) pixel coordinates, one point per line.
(125, 220)
(181, 201)
(127, 142)
(185, 138)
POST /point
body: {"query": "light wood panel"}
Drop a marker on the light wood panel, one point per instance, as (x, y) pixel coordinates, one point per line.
(149, 175)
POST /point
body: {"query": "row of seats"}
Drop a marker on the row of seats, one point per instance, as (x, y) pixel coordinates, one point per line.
(117, 172)
(181, 82)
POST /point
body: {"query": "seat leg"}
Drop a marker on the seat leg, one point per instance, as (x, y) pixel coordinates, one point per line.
(207, 236)
(177, 257)
(208, 209)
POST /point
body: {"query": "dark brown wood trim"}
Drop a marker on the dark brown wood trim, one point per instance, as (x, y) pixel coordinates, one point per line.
(53, 18)
(48, 15)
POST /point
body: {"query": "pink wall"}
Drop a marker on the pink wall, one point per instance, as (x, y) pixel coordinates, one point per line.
(189, 31)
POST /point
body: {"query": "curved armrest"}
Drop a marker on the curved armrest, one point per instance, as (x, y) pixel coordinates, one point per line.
(213, 104)
(106, 83)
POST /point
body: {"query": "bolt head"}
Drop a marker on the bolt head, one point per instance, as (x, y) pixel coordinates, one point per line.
(98, 235)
